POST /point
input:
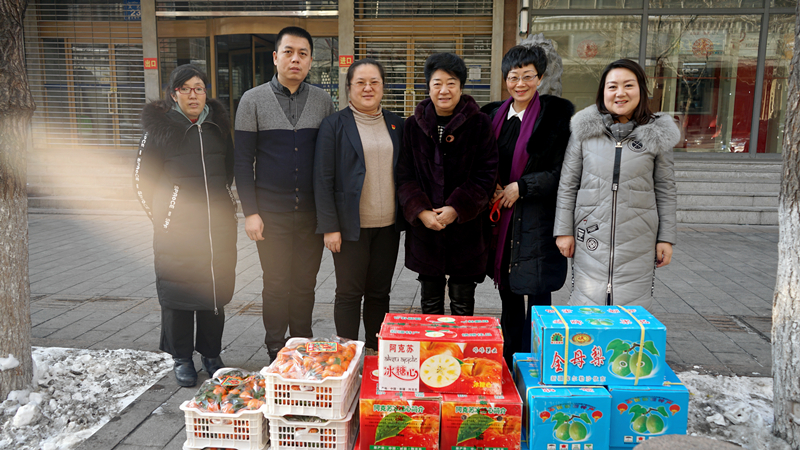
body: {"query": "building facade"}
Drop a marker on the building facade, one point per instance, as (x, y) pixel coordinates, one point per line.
(720, 67)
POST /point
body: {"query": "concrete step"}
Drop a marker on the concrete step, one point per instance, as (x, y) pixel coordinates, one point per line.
(65, 202)
(120, 192)
(98, 180)
(744, 175)
(71, 156)
(94, 168)
(740, 215)
(738, 164)
(700, 198)
(721, 185)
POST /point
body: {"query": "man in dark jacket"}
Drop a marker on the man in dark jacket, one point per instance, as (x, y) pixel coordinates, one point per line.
(276, 128)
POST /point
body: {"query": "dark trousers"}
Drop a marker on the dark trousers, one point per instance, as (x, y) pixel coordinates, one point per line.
(364, 268)
(515, 318)
(516, 321)
(290, 255)
(178, 336)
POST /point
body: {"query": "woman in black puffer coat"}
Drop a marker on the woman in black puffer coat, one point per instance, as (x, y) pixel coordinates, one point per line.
(182, 178)
(532, 134)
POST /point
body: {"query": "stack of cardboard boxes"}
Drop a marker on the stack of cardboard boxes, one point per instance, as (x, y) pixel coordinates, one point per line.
(439, 382)
(597, 379)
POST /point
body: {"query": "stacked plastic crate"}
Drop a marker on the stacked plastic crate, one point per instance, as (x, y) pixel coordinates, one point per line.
(310, 401)
(309, 413)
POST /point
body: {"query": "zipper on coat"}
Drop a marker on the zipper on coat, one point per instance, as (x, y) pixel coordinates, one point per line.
(511, 249)
(614, 192)
(208, 208)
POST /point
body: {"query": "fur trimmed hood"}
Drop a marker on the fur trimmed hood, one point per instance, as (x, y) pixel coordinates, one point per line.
(588, 123)
(168, 127)
(425, 113)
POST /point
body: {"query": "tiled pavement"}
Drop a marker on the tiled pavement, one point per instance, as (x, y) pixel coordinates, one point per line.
(92, 286)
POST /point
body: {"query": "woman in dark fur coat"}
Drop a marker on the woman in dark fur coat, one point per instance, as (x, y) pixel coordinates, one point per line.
(182, 178)
(532, 134)
(445, 175)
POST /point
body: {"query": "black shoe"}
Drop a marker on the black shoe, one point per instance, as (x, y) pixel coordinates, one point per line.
(212, 365)
(273, 353)
(185, 372)
(462, 299)
(431, 295)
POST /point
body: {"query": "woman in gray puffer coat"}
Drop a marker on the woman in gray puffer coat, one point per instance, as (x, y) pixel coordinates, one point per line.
(617, 197)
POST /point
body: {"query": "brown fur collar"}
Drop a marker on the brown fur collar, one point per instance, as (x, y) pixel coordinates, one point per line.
(425, 113)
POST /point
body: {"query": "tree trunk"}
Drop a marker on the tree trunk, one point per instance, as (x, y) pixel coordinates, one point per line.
(786, 302)
(16, 108)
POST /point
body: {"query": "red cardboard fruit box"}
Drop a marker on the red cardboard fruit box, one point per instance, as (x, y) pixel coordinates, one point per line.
(477, 422)
(441, 321)
(439, 359)
(395, 420)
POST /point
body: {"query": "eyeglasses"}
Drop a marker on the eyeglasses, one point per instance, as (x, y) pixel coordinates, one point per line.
(187, 90)
(362, 84)
(525, 79)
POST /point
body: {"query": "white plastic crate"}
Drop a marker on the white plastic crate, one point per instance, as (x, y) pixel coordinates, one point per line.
(245, 430)
(327, 399)
(339, 434)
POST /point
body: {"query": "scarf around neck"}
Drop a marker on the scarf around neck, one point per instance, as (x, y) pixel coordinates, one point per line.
(518, 163)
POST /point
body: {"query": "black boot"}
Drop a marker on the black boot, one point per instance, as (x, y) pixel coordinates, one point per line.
(462, 299)
(211, 365)
(185, 372)
(432, 296)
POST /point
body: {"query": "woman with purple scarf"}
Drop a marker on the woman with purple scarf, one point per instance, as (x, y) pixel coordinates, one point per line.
(532, 133)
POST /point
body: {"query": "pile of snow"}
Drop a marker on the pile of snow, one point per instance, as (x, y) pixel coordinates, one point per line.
(75, 392)
(8, 363)
(733, 409)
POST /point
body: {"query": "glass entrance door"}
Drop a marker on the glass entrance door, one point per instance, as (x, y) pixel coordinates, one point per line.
(244, 61)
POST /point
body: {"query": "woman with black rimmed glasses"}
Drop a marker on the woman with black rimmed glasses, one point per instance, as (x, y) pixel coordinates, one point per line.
(354, 189)
(183, 177)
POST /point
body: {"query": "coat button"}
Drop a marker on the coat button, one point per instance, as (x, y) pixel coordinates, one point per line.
(295, 149)
(296, 208)
(297, 189)
(297, 170)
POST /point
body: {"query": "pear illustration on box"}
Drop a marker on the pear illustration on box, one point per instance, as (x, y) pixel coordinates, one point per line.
(561, 417)
(597, 346)
(639, 413)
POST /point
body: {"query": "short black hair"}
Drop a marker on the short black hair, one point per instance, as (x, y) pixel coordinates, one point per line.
(521, 56)
(450, 63)
(642, 113)
(182, 74)
(362, 62)
(296, 32)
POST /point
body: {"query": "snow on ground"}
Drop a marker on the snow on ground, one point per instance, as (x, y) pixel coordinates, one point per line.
(78, 391)
(734, 409)
(75, 392)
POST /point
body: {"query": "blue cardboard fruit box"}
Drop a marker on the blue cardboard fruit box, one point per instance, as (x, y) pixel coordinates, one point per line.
(561, 417)
(598, 345)
(639, 413)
